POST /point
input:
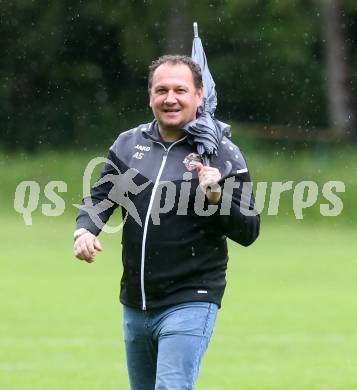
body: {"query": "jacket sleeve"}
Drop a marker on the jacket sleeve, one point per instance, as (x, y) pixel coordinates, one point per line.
(97, 208)
(238, 217)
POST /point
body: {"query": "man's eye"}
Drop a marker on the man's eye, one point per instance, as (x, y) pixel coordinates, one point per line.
(160, 91)
(181, 90)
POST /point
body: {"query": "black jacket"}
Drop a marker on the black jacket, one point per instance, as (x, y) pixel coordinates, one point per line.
(171, 252)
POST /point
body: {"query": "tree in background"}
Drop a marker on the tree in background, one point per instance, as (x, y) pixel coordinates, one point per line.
(334, 23)
(74, 71)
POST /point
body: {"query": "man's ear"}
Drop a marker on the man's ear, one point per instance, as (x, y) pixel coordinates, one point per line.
(200, 95)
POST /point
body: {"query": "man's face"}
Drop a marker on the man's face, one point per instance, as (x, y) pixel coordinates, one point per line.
(174, 99)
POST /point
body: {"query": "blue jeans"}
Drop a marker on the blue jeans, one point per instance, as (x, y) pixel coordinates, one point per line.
(164, 347)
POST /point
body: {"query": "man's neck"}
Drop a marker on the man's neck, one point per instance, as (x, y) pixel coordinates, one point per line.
(171, 135)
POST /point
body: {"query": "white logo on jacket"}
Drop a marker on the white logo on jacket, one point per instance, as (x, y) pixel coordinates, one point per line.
(143, 148)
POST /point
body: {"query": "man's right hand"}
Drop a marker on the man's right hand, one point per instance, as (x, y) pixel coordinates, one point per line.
(86, 247)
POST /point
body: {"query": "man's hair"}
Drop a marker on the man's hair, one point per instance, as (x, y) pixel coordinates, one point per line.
(176, 59)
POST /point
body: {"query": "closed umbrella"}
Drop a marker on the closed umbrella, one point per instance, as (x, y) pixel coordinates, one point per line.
(205, 132)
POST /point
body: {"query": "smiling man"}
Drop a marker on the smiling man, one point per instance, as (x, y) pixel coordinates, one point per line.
(173, 271)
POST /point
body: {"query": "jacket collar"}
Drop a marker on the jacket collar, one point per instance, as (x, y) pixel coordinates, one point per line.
(152, 131)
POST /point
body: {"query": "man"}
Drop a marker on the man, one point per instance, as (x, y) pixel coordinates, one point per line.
(174, 247)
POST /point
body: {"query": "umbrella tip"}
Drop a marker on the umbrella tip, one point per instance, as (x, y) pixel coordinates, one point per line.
(195, 30)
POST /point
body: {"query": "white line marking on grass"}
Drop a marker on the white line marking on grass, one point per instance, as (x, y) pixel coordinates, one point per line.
(64, 366)
(57, 341)
(290, 338)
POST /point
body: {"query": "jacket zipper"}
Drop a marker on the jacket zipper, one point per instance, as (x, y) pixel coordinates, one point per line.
(147, 218)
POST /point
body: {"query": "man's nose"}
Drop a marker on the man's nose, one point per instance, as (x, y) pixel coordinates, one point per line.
(170, 98)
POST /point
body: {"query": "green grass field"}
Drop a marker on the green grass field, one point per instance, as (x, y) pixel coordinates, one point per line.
(288, 319)
(289, 315)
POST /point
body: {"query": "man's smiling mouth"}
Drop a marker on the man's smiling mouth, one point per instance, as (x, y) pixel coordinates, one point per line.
(169, 110)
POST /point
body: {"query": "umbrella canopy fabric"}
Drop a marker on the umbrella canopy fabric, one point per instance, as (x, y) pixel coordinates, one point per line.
(206, 132)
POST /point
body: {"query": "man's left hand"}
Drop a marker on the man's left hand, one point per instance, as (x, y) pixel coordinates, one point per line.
(208, 178)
